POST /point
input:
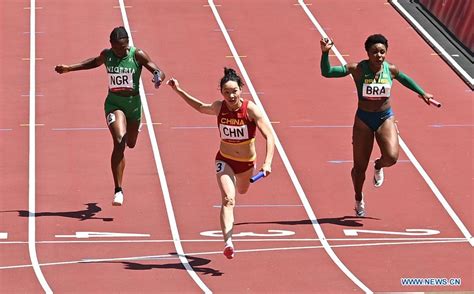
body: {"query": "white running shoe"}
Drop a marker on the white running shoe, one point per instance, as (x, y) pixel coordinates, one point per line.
(360, 208)
(378, 176)
(118, 199)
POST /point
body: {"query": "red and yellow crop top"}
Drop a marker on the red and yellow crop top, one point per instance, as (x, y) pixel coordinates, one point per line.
(235, 126)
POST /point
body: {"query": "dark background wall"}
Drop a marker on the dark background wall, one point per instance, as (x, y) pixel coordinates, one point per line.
(456, 16)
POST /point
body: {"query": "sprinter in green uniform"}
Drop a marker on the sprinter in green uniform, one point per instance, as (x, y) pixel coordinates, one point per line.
(123, 105)
(374, 117)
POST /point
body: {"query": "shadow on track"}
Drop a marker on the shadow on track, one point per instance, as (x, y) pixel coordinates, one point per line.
(197, 264)
(346, 221)
(86, 214)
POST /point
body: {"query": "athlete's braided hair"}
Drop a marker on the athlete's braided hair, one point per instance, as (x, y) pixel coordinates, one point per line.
(118, 33)
(375, 39)
(231, 75)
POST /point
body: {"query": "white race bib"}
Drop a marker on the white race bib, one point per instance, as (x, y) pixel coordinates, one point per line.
(220, 166)
(376, 91)
(234, 132)
(120, 81)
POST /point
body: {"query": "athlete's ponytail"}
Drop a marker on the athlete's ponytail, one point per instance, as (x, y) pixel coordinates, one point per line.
(231, 75)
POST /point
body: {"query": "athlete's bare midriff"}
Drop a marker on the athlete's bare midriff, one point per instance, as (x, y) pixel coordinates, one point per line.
(374, 105)
(243, 151)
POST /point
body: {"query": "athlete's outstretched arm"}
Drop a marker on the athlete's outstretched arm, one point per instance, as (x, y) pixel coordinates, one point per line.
(327, 70)
(145, 60)
(212, 109)
(265, 129)
(410, 83)
(86, 64)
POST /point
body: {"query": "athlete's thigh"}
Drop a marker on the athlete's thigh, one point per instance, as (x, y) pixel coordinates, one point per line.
(225, 179)
(362, 143)
(117, 124)
(243, 180)
(133, 127)
(387, 137)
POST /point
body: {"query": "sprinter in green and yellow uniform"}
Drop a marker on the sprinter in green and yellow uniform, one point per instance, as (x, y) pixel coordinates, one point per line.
(123, 104)
(374, 117)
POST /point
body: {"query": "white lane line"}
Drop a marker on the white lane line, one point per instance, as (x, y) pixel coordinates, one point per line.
(161, 173)
(79, 129)
(452, 126)
(434, 43)
(86, 235)
(196, 254)
(351, 161)
(437, 193)
(407, 151)
(193, 127)
(271, 233)
(262, 205)
(408, 232)
(32, 155)
(322, 126)
(28, 95)
(237, 240)
(286, 161)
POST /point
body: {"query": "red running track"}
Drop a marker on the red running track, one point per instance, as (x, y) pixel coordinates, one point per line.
(280, 52)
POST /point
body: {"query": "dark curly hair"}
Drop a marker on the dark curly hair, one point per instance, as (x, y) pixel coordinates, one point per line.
(118, 33)
(375, 39)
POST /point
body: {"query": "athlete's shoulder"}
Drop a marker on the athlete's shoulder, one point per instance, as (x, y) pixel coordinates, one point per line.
(103, 55)
(390, 65)
(393, 68)
(217, 106)
(105, 51)
(253, 110)
(350, 66)
(250, 103)
(141, 56)
(356, 68)
(363, 63)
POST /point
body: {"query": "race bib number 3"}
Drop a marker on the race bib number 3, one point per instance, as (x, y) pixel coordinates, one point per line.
(118, 81)
(234, 132)
(220, 165)
(376, 91)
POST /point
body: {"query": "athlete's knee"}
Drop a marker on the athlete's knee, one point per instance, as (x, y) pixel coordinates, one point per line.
(393, 159)
(243, 189)
(390, 159)
(131, 144)
(132, 134)
(359, 168)
(119, 146)
(358, 171)
(131, 141)
(120, 140)
(228, 201)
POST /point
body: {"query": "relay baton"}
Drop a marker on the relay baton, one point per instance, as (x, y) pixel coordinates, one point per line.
(435, 103)
(257, 177)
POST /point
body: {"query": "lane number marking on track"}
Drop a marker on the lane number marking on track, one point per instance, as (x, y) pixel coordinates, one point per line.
(271, 233)
(409, 232)
(3, 235)
(85, 235)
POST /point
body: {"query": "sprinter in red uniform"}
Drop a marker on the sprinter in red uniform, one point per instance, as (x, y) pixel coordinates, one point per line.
(237, 120)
